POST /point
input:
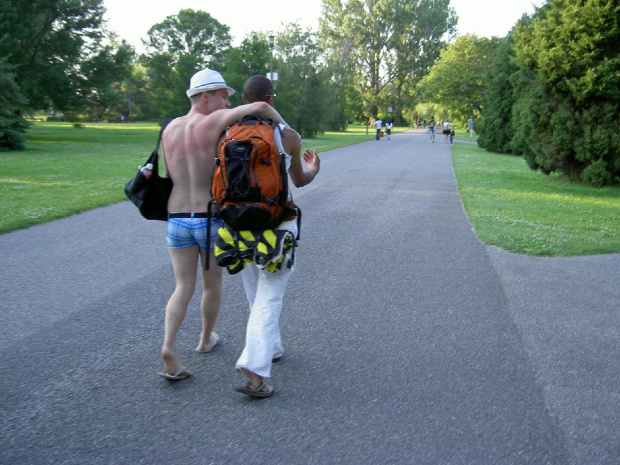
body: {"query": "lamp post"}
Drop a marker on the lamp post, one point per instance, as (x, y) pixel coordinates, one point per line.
(271, 44)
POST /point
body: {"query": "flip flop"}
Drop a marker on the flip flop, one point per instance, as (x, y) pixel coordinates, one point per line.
(178, 376)
(213, 341)
(258, 391)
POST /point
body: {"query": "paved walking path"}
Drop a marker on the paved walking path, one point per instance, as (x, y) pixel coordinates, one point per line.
(407, 340)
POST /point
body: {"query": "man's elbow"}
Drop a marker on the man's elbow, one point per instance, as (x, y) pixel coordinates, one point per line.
(298, 182)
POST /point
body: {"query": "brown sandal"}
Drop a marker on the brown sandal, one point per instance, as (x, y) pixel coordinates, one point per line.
(263, 390)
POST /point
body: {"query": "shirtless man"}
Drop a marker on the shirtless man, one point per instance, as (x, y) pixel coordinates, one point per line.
(189, 146)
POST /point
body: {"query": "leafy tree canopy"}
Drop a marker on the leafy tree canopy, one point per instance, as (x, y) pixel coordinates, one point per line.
(176, 48)
(456, 82)
(48, 41)
(387, 43)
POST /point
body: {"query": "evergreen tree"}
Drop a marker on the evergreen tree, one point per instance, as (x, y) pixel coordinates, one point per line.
(495, 129)
(569, 55)
(12, 124)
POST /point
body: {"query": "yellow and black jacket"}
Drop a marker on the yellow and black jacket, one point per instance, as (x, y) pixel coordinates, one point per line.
(271, 250)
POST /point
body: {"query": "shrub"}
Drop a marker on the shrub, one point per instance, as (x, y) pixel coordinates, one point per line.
(596, 174)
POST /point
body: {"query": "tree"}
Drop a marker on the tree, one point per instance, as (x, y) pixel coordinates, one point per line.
(48, 41)
(176, 48)
(249, 59)
(302, 86)
(569, 52)
(457, 81)
(134, 87)
(103, 75)
(387, 44)
(495, 129)
(422, 28)
(12, 124)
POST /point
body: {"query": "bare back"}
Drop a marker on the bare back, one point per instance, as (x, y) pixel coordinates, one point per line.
(189, 150)
(190, 143)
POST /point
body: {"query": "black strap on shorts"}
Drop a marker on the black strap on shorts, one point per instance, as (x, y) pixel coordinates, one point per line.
(188, 215)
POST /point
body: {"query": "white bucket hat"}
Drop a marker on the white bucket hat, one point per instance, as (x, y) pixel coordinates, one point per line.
(205, 80)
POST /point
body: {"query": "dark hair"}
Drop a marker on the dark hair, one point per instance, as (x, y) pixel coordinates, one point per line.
(257, 89)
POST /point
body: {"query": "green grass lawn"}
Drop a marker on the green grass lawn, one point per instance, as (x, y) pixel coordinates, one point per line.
(67, 170)
(524, 211)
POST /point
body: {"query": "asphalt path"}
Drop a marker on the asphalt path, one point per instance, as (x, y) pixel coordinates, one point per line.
(407, 340)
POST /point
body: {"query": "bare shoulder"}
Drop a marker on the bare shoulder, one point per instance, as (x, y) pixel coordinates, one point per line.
(291, 140)
(290, 132)
(174, 127)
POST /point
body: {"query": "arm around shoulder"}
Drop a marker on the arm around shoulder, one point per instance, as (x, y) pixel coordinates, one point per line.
(219, 120)
(257, 108)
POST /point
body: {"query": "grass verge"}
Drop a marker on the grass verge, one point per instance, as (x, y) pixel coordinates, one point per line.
(67, 170)
(524, 211)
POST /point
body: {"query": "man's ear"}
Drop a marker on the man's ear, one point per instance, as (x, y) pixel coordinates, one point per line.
(205, 97)
(244, 100)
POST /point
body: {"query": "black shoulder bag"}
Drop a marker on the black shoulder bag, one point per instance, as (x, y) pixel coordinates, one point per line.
(150, 193)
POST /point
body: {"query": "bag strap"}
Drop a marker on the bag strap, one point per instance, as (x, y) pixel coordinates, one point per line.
(208, 245)
(164, 124)
(154, 158)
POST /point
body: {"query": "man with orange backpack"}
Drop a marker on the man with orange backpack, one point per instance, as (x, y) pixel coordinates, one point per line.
(264, 287)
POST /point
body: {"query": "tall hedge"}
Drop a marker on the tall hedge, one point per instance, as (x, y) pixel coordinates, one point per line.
(567, 113)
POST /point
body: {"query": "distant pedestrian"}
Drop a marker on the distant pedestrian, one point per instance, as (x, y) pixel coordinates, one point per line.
(446, 130)
(470, 127)
(388, 128)
(378, 126)
(431, 128)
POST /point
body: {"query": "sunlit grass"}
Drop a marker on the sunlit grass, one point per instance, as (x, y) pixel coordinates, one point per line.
(524, 211)
(66, 170)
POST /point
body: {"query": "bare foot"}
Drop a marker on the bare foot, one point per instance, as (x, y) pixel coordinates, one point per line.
(206, 345)
(172, 364)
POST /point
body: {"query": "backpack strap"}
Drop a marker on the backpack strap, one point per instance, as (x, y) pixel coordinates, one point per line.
(277, 135)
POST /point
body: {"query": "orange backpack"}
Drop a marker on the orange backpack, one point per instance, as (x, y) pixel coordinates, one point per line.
(249, 190)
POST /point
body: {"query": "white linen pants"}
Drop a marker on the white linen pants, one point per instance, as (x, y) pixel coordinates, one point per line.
(265, 293)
